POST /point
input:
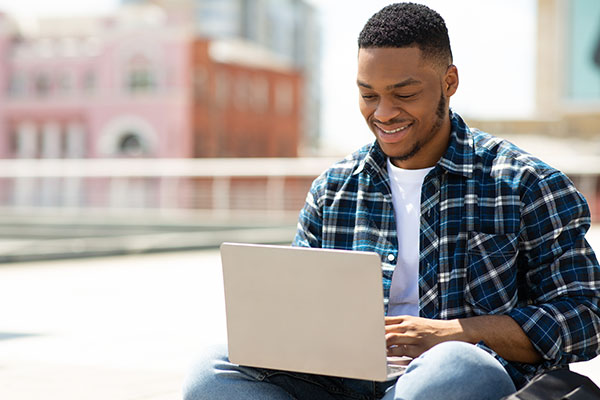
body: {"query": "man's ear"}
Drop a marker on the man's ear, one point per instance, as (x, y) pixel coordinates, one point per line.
(450, 84)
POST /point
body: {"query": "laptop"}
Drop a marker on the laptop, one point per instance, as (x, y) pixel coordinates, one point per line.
(308, 310)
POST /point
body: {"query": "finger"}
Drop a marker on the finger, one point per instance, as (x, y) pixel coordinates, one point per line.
(394, 320)
(405, 350)
(402, 350)
(395, 329)
(397, 339)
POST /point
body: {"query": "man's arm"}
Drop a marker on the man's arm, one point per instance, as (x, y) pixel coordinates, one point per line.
(310, 220)
(412, 336)
(560, 322)
(561, 316)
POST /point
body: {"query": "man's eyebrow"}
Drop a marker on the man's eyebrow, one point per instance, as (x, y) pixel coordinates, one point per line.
(406, 82)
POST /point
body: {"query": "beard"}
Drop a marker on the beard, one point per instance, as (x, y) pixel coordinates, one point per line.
(440, 113)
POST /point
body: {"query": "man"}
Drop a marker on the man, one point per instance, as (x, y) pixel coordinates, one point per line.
(487, 275)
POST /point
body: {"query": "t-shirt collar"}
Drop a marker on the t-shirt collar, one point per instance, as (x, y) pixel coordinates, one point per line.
(458, 158)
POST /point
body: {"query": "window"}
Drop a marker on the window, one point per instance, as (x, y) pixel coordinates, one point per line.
(221, 89)
(141, 75)
(42, 85)
(89, 82)
(65, 82)
(260, 94)
(284, 97)
(17, 86)
(200, 83)
(131, 144)
(13, 142)
(242, 96)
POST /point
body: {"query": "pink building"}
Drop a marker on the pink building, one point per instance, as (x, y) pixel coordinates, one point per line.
(98, 87)
(135, 84)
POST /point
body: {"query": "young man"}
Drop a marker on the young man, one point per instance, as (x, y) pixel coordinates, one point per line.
(487, 275)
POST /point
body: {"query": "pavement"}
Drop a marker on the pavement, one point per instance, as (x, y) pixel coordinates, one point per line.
(118, 328)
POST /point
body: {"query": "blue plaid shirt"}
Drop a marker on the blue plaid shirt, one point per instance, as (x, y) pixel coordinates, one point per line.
(501, 233)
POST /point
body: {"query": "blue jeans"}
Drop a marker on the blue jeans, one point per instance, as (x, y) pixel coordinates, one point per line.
(448, 371)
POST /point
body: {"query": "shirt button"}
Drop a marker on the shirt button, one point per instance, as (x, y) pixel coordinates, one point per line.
(391, 257)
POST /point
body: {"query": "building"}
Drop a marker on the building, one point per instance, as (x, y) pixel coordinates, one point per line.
(97, 87)
(565, 129)
(141, 84)
(137, 84)
(287, 28)
(246, 101)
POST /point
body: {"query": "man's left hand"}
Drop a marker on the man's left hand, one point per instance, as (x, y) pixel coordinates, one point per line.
(412, 336)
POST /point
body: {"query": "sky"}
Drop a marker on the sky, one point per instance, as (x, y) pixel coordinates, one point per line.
(493, 43)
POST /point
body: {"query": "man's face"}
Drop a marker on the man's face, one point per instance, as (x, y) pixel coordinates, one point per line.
(404, 100)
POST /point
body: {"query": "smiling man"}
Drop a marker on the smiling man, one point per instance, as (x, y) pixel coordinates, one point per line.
(406, 104)
(488, 279)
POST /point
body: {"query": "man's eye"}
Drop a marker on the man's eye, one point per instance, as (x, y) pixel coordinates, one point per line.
(368, 96)
(405, 96)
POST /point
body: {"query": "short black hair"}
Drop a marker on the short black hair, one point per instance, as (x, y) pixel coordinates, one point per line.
(407, 25)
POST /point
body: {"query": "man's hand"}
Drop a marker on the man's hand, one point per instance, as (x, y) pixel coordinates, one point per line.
(412, 336)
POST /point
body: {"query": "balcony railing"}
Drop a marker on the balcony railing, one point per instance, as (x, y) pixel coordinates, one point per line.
(219, 188)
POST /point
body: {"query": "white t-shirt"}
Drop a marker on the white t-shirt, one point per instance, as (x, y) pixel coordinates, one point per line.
(406, 196)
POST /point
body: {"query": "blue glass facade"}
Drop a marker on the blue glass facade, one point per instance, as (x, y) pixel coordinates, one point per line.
(583, 51)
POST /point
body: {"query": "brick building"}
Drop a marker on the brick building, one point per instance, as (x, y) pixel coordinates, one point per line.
(245, 103)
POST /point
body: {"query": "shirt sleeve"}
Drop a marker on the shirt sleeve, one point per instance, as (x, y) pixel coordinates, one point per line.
(310, 220)
(562, 276)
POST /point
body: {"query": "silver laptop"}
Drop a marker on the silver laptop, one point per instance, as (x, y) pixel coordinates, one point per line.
(306, 310)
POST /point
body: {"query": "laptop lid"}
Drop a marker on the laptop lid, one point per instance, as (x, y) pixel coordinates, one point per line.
(303, 309)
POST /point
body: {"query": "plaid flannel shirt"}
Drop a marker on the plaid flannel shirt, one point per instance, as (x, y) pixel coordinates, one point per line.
(501, 233)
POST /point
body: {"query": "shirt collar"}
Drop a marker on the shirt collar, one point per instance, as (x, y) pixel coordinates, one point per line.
(374, 162)
(458, 158)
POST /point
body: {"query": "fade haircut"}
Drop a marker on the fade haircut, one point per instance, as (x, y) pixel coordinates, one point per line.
(409, 25)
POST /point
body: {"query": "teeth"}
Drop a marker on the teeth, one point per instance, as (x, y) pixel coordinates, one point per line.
(395, 130)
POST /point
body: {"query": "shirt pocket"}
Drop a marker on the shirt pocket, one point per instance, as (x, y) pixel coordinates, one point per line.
(491, 286)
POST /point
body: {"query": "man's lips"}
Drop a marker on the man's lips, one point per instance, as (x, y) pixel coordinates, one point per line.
(392, 135)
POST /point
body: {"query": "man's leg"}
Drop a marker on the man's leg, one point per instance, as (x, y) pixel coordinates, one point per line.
(453, 371)
(214, 378)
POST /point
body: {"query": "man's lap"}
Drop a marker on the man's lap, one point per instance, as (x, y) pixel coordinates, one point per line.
(454, 369)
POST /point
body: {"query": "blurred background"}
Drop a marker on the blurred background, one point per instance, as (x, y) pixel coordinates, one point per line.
(142, 126)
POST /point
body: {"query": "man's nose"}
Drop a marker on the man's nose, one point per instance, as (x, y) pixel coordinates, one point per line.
(385, 111)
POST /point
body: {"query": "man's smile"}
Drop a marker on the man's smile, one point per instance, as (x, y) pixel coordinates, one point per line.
(392, 135)
(395, 130)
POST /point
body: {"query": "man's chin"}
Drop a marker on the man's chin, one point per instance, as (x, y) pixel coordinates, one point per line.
(398, 154)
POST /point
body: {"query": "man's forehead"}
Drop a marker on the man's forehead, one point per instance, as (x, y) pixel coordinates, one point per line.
(400, 66)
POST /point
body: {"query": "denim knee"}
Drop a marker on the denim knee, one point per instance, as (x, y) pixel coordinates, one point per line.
(214, 377)
(454, 370)
(201, 377)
